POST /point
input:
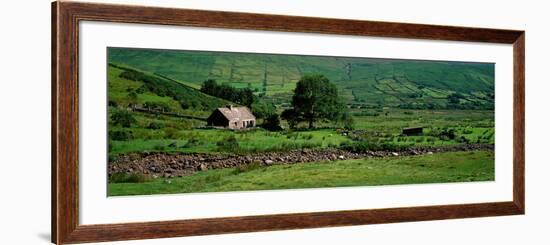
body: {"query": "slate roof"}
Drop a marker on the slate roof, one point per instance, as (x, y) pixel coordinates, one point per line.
(237, 113)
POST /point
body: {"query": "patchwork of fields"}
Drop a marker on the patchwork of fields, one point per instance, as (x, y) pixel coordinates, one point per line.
(363, 81)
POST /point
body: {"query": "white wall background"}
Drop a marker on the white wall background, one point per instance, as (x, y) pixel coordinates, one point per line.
(25, 121)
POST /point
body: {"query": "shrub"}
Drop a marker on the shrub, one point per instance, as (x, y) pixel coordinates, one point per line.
(307, 136)
(228, 144)
(171, 133)
(123, 118)
(112, 158)
(141, 89)
(292, 135)
(184, 105)
(310, 145)
(121, 135)
(348, 121)
(191, 142)
(213, 178)
(454, 98)
(132, 96)
(247, 167)
(447, 134)
(463, 139)
(155, 125)
(128, 178)
(467, 131)
(112, 103)
(159, 147)
(272, 123)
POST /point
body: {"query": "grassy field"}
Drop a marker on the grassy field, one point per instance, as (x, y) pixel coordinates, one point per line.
(474, 126)
(205, 141)
(436, 168)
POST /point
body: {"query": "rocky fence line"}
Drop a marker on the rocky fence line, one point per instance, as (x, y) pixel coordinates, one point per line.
(181, 164)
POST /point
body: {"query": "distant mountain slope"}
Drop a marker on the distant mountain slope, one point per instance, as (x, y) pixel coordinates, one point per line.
(382, 82)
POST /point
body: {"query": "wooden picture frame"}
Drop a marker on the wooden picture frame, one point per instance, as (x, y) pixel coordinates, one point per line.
(65, 121)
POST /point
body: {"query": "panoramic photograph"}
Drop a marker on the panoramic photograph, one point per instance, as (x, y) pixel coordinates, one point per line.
(184, 121)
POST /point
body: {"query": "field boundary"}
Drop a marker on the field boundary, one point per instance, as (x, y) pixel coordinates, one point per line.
(170, 165)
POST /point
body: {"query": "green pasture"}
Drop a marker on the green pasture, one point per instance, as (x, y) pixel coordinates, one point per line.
(185, 135)
(436, 168)
(206, 141)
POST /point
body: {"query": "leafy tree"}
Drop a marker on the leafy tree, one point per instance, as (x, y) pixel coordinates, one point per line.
(347, 120)
(315, 98)
(132, 97)
(272, 123)
(454, 98)
(142, 89)
(120, 135)
(243, 96)
(123, 118)
(112, 103)
(263, 109)
(209, 86)
(291, 117)
(184, 105)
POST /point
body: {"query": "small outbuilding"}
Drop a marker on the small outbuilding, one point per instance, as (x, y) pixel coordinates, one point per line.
(413, 131)
(232, 117)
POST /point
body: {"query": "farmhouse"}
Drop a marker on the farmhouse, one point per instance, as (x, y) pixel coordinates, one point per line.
(232, 117)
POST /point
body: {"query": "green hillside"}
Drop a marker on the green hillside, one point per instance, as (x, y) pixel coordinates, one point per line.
(362, 81)
(129, 86)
